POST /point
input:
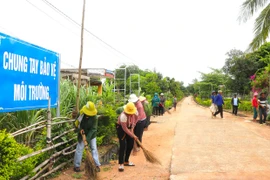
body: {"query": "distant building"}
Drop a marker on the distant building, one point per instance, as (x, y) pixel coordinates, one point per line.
(89, 76)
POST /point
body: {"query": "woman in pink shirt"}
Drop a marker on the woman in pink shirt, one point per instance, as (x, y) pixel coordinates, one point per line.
(141, 118)
(255, 106)
(124, 127)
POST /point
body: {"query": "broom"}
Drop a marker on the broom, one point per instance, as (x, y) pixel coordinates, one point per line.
(166, 110)
(90, 167)
(150, 157)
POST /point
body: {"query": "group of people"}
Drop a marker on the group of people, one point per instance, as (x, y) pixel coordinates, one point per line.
(130, 126)
(217, 104)
(158, 104)
(258, 104)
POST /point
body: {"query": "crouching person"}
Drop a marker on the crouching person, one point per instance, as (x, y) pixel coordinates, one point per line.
(88, 122)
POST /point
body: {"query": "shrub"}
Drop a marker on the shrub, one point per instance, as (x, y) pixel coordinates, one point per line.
(106, 124)
(206, 102)
(10, 150)
(168, 103)
(243, 106)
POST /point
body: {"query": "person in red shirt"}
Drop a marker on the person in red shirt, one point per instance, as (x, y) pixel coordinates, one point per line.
(255, 106)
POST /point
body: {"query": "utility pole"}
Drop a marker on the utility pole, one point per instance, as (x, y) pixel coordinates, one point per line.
(80, 62)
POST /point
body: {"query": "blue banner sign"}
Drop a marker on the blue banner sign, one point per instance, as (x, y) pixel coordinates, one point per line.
(29, 75)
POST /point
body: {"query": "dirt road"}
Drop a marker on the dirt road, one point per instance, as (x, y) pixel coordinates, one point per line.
(158, 139)
(192, 145)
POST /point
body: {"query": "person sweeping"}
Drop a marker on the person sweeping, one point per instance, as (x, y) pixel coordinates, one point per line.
(147, 110)
(87, 123)
(140, 119)
(124, 127)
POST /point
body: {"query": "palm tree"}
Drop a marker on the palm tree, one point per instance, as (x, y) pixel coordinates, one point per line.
(262, 22)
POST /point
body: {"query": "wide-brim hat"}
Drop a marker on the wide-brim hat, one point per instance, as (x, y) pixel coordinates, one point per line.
(89, 109)
(130, 108)
(133, 98)
(219, 91)
(161, 94)
(141, 98)
(255, 94)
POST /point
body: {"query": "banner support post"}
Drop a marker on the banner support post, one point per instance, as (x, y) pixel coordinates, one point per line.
(59, 78)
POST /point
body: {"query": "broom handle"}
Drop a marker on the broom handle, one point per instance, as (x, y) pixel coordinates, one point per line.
(84, 138)
(138, 141)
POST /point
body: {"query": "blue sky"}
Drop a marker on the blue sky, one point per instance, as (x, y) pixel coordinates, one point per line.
(177, 38)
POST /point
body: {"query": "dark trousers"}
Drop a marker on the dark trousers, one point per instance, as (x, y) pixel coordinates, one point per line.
(147, 121)
(126, 145)
(138, 130)
(155, 110)
(263, 113)
(161, 110)
(235, 109)
(220, 110)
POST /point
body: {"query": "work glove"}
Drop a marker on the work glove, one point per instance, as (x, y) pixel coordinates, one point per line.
(74, 114)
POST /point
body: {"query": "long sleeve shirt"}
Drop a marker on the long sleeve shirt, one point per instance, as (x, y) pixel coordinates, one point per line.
(254, 102)
(155, 101)
(127, 123)
(219, 100)
(162, 101)
(213, 98)
(89, 125)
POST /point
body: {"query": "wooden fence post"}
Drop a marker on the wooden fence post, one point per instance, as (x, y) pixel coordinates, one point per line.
(49, 122)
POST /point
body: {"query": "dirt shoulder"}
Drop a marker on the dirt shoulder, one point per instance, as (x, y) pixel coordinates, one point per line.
(158, 139)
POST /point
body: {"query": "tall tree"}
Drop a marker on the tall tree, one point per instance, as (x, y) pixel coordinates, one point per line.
(262, 22)
(239, 68)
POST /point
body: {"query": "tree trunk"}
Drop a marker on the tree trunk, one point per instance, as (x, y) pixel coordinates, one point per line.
(80, 62)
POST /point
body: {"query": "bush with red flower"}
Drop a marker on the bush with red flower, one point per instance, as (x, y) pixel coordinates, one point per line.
(260, 81)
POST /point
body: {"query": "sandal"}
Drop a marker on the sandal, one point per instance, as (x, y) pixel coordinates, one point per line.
(121, 168)
(129, 164)
(77, 169)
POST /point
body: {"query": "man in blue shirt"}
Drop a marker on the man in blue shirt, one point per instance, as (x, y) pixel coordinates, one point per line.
(219, 102)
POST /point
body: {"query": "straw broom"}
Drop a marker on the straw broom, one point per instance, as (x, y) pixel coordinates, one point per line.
(166, 110)
(90, 167)
(150, 157)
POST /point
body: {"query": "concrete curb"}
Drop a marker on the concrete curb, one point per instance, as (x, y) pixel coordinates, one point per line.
(172, 177)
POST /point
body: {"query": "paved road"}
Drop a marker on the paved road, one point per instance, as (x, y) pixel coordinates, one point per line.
(193, 146)
(230, 148)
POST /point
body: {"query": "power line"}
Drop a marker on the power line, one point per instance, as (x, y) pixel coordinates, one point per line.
(68, 64)
(10, 32)
(50, 16)
(72, 20)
